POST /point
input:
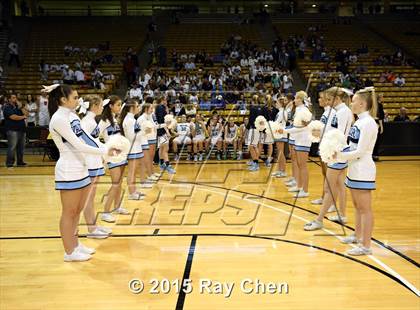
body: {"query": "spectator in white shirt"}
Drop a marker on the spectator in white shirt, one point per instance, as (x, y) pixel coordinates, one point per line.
(80, 76)
(244, 62)
(32, 108)
(68, 76)
(14, 53)
(400, 80)
(189, 65)
(136, 92)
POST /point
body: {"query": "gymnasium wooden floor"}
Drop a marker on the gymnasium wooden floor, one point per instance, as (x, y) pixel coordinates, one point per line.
(213, 221)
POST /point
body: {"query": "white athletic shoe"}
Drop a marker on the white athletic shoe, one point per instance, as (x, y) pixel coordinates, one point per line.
(84, 249)
(122, 211)
(301, 194)
(76, 256)
(294, 189)
(336, 218)
(195, 158)
(157, 174)
(288, 180)
(136, 196)
(331, 209)
(350, 239)
(250, 162)
(105, 229)
(358, 251)
(317, 201)
(314, 225)
(281, 174)
(275, 174)
(291, 184)
(153, 178)
(107, 217)
(97, 234)
(200, 157)
(146, 185)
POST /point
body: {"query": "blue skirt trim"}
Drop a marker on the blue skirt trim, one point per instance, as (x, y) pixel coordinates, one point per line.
(122, 163)
(135, 155)
(301, 148)
(96, 172)
(69, 185)
(154, 141)
(367, 185)
(338, 166)
(281, 140)
(145, 146)
(291, 142)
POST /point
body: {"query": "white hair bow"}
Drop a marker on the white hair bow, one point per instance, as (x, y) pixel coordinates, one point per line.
(307, 101)
(370, 88)
(48, 89)
(105, 102)
(347, 91)
(83, 106)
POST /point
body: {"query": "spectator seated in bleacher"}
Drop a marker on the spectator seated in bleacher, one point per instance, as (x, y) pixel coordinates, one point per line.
(205, 103)
(399, 80)
(402, 116)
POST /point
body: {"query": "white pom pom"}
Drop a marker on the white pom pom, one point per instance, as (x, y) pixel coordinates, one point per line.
(120, 143)
(315, 130)
(275, 128)
(301, 117)
(170, 121)
(333, 142)
(260, 123)
(146, 126)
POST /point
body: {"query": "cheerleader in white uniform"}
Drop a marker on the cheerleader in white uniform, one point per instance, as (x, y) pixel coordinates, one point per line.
(302, 147)
(91, 106)
(152, 140)
(182, 132)
(148, 143)
(199, 133)
(290, 109)
(71, 173)
(281, 118)
(231, 137)
(334, 184)
(266, 136)
(130, 128)
(108, 126)
(362, 170)
(325, 119)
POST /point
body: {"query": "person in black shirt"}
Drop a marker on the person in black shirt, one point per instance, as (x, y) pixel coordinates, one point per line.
(253, 134)
(15, 127)
(402, 117)
(270, 113)
(163, 135)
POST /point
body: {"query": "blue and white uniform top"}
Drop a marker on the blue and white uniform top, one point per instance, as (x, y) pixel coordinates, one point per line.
(71, 171)
(143, 136)
(231, 132)
(94, 162)
(362, 138)
(107, 130)
(289, 113)
(326, 118)
(281, 118)
(152, 137)
(183, 129)
(300, 134)
(342, 120)
(132, 133)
